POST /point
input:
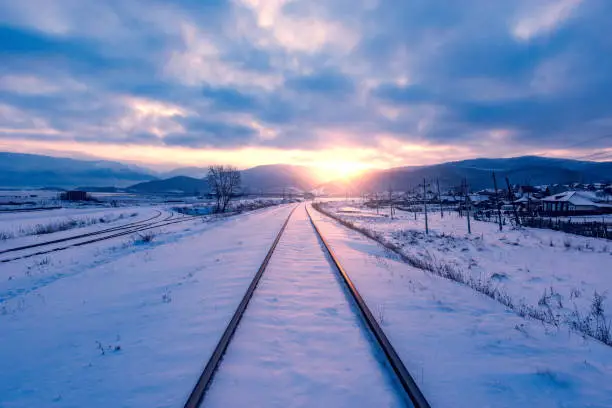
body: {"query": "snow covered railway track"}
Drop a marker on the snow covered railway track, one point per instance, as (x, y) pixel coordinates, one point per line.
(96, 236)
(279, 320)
(407, 381)
(90, 234)
(203, 383)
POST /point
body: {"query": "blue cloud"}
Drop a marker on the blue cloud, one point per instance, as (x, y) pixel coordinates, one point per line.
(413, 94)
(203, 133)
(230, 99)
(460, 60)
(323, 82)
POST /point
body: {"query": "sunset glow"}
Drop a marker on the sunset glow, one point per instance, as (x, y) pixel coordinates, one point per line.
(372, 85)
(339, 170)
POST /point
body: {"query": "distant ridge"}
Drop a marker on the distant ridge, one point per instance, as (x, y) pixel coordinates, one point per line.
(267, 179)
(35, 171)
(173, 185)
(19, 170)
(525, 170)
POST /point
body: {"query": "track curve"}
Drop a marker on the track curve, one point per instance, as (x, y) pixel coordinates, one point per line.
(73, 237)
(119, 233)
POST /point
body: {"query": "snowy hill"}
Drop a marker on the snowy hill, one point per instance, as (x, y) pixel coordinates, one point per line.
(28, 170)
(528, 170)
(19, 170)
(261, 179)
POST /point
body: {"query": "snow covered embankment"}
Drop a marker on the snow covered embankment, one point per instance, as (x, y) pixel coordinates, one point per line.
(556, 278)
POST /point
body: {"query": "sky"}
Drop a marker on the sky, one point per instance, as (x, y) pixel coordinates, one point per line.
(341, 85)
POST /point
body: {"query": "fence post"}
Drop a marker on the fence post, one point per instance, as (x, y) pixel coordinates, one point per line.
(497, 204)
(440, 199)
(425, 205)
(511, 197)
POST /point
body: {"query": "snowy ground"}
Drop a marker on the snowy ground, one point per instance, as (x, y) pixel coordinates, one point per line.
(12, 199)
(301, 335)
(537, 267)
(124, 324)
(21, 228)
(465, 349)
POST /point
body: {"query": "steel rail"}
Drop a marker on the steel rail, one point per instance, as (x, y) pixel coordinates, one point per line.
(405, 379)
(20, 210)
(120, 234)
(199, 391)
(89, 234)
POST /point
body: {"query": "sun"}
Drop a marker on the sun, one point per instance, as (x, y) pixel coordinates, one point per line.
(340, 170)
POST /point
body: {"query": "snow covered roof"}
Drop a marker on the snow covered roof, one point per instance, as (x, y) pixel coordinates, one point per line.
(574, 197)
(526, 199)
(478, 197)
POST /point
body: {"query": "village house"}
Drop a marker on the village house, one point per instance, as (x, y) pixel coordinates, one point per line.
(574, 203)
(527, 203)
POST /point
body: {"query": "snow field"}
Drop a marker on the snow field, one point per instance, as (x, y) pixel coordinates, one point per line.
(465, 349)
(301, 342)
(544, 269)
(123, 324)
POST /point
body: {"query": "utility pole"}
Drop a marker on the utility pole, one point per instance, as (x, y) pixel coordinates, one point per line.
(440, 199)
(497, 204)
(425, 205)
(511, 195)
(468, 204)
(391, 209)
(415, 192)
(376, 201)
(461, 197)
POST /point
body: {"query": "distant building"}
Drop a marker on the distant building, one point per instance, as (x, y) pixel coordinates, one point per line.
(74, 195)
(449, 199)
(526, 203)
(528, 190)
(573, 203)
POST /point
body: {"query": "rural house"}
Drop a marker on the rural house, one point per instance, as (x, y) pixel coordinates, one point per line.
(573, 203)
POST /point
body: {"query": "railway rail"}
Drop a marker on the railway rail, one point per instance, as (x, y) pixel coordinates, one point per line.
(22, 210)
(96, 236)
(408, 386)
(73, 237)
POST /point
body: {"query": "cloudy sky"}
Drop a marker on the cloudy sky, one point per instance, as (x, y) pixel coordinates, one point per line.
(340, 84)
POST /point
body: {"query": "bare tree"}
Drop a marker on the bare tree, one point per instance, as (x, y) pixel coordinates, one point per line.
(224, 183)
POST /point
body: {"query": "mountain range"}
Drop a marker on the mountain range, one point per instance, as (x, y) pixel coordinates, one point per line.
(35, 171)
(18, 170)
(525, 170)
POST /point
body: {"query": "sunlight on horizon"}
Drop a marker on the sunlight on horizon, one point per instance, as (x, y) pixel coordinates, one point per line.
(327, 164)
(339, 170)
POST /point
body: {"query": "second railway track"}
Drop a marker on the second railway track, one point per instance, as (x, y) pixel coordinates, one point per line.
(89, 234)
(46, 247)
(289, 311)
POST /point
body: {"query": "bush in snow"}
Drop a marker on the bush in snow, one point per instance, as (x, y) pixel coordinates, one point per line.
(145, 237)
(4, 235)
(109, 348)
(594, 324)
(63, 225)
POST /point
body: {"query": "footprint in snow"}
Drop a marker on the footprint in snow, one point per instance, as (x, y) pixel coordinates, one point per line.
(330, 311)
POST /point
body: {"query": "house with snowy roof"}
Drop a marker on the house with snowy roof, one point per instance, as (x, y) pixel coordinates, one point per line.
(573, 203)
(527, 203)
